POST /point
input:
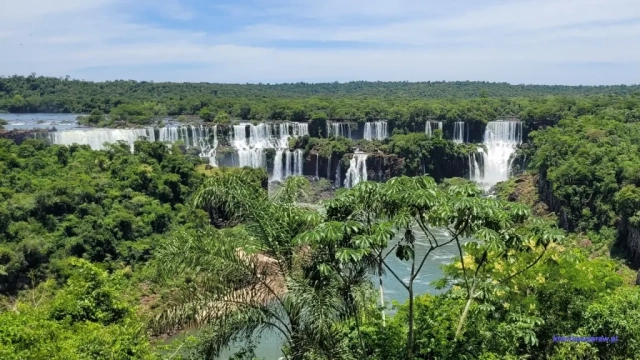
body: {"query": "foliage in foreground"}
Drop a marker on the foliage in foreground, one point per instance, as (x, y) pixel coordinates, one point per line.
(87, 318)
(567, 294)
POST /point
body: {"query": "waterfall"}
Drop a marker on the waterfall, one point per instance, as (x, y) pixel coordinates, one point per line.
(377, 130)
(337, 129)
(317, 161)
(269, 136)
(432, 125)
(192, 136)
(277, 166)
(96, 138)
(476, 165)
(293, 159)
(287, 166)
(203, 134)
(338, 183)
(357, 170)
(458, 132)
(250, 150)
(168, 134)
(501, 139)
(293, 164)
(297, 162)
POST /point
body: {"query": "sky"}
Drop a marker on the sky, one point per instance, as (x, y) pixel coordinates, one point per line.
(571, 42)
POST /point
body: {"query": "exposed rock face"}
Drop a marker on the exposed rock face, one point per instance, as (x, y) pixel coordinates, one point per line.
(320, 166)
(526, 192)
(627, 233)
(631, 234)
(18, 136)
(545, 191)
(382, 167)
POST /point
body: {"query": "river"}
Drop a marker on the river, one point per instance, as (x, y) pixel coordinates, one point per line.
(269, 345)
(40, 121)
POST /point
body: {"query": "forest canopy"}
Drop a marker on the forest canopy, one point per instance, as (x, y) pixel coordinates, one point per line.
(104, 252)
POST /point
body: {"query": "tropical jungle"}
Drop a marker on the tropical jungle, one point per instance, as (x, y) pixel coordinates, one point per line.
(387, 220)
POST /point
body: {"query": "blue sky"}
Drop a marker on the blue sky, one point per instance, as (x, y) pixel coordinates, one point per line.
(518, 41)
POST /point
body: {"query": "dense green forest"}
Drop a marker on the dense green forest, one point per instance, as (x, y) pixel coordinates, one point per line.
(91, 247)
(29, 86)
(105, 253)
(405, 103)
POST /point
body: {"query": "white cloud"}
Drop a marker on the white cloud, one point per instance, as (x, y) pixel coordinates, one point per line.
(530, 41)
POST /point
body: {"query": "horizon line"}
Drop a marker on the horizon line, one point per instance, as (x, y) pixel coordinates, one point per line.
(68, 78)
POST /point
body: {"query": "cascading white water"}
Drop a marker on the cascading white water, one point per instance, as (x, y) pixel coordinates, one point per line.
(287, 165)
(501, 139)
(250, 149)
(458, 132)
(294, 163)
(337, 129)
(168, 134)
(96, 138)
(192, 136)
(299, 130)
(377, 130)
(201, 138)
(430, 126)
(277, 166)
(476, 165)
(269, 136)
(357, 170)
(317, 160)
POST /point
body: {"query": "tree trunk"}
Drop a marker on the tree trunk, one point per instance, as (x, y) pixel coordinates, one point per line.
(384, 322)
(410, 335)
(465, 312)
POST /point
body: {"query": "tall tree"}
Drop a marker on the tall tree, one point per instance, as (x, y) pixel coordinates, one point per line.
(247, 284)
(418, 205)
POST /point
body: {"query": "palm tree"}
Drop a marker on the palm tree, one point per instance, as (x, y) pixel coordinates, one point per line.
(244, 284)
